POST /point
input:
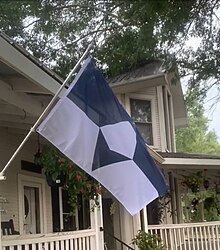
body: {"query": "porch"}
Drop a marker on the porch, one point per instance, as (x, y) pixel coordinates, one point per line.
(83, 240)
(188, 236)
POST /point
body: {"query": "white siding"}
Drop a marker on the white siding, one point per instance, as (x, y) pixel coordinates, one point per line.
(9, 187)
(153, 93)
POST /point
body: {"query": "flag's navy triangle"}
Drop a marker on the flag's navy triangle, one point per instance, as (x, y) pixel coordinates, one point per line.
(146, 163)
(103, 155)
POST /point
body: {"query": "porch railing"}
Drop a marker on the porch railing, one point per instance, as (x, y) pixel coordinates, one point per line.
(77, 240)
(190, 236)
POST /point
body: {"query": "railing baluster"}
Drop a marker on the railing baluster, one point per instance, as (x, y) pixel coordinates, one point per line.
(52, 245)
(61, 245)
(201, 238)
(66, 244)
(76, 243)
(34, 246)
(217, 234)
(171, 238)
(213, 238)
(206, 239)
(46, 246)
(71, 244)
(87, 243)
(188, 242)
(197, 238)
(166, 238)
(209, 235)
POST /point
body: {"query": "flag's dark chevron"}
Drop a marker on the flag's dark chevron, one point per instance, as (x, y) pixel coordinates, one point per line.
(146, 163)
(95, 98)
(103, 155)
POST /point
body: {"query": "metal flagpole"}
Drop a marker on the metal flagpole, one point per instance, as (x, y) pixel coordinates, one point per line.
(2, 177)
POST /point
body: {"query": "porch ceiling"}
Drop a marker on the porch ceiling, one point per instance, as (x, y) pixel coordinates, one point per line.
(26, 87)
(21, 101)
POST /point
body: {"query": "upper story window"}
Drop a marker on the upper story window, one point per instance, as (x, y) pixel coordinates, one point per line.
(141, 115)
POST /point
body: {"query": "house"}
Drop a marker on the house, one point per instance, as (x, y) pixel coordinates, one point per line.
(40, 213)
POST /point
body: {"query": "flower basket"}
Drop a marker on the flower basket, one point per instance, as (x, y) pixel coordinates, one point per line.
(60, 171)
(58, 182)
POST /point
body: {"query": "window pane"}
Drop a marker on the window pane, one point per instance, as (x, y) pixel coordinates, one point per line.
(146, 132)
(141, 110)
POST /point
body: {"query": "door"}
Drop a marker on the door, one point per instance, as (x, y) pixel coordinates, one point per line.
(31, 210)
(32, 219)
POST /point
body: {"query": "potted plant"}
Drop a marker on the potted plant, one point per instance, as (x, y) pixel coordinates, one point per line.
(147, 241)
(58, 167)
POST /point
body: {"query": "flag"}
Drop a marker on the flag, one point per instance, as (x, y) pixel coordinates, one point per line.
(90, 126)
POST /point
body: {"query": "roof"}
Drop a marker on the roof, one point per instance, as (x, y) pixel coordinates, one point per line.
(31, 57)
(188, 155)
(185, 161)
(153, 68)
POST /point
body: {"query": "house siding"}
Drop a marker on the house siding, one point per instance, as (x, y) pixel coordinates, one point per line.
(152, 92)
(9, 187)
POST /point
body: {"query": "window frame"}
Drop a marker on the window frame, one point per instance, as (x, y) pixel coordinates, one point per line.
(152, 100)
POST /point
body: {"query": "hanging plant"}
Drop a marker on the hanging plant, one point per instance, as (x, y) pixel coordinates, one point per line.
(74, 180)
(194, 181)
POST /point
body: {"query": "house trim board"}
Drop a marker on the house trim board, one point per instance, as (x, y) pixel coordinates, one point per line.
(161, 118)
(177, 163)
(137, 84)
(12, 57)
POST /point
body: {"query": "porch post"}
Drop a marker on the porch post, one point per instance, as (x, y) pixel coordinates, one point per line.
(173, 198)
(145, 219)
(178, 201)
(96, 223)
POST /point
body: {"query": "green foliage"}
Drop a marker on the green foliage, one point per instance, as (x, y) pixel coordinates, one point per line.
(128, 33)
(194, 181)
(146, 241)
(76, 182)
(196, 138)
(202, 206)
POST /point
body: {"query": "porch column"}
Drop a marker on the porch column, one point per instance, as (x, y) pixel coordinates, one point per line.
(173, 198)
(96, 223)
(178, 201)
(145, 220)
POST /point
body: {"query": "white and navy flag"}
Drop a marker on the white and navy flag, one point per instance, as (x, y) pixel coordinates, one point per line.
(90, 126)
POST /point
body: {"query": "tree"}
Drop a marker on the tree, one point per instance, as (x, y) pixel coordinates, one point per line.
(196, 138)
(127, 33)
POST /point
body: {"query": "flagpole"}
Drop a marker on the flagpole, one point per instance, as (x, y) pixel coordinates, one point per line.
(2, 177)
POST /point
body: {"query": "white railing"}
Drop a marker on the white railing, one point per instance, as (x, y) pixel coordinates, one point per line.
(77, 240)
(190, 236)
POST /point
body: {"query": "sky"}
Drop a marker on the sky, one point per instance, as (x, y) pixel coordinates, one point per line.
(211, 102)
(212, 110)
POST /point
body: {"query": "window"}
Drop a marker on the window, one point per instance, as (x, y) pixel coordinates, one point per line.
(141, 114)
(68, 220)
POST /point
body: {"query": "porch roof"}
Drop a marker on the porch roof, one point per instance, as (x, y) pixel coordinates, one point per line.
(190, 161)
(26, 86)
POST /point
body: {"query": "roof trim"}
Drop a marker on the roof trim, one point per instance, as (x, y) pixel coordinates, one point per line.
(189, 163)
(155, 155)
(17, 58)
(31, 57)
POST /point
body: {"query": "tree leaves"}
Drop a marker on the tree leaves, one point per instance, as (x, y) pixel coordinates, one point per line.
(127, 33)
